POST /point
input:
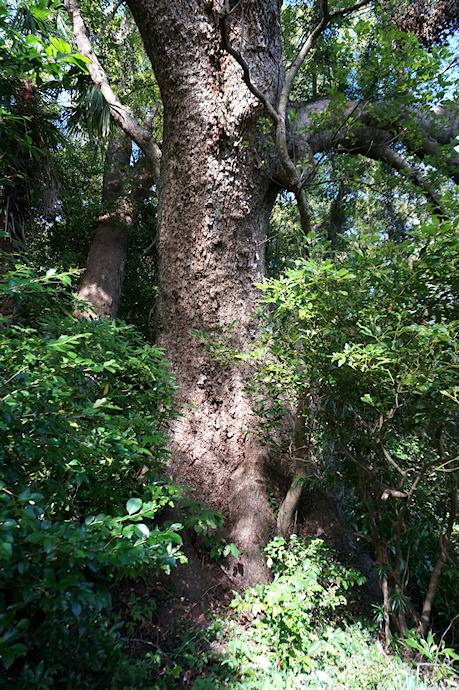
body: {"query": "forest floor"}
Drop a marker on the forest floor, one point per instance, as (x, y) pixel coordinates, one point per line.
(185, 619)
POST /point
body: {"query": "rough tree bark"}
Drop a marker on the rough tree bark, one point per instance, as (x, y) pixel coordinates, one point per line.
(123, 189)
(215, 202)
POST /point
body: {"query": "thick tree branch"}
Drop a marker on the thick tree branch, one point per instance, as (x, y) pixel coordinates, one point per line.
(122, 115)
(366, 143)
(322, 127)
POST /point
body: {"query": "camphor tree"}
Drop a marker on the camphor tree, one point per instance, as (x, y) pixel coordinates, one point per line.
(242, 121)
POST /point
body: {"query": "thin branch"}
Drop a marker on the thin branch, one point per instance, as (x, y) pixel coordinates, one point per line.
(357, 462)
(109, 19)
(3, 383)
(245, 68)
(439, 441)
(399, 163)
(349, 10)
(148, 124)
(300, 58)
(150, 246)
(445, 543)
(393, 493)
(122, 115)
(390, 459)
(453, 62)
(357, 534)
(449, 627)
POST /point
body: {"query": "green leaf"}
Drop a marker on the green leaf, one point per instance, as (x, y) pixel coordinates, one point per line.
(34, 40)
(76, 609)
(61, 45)
(6, 550)
(48, 544)
(234, 550)
(142, 530)
(133, 505)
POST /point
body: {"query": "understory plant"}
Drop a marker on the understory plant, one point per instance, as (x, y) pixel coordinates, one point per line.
(297, 632)
(83, 432)
(308, 588)
(364, 343)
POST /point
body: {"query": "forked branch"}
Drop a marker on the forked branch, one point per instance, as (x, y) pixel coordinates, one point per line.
(295, 177)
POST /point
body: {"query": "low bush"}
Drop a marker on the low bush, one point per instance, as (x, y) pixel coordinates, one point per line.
(83, 432)
(297, 632)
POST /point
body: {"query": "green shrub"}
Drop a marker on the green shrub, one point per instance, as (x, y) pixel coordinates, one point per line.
(296, 632)
(83, 432)
(308, 588)
(364, 343)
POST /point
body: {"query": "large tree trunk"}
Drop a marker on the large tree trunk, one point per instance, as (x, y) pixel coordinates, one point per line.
(214, 206)
(215, 197)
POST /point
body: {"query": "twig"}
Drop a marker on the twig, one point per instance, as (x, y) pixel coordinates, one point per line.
(233, 579)
(109, 19)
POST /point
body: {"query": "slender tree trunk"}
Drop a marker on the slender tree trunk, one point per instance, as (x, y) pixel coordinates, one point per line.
(385, 592)
(305, 465)
(214, 206)
(103, 278)
(445, 546)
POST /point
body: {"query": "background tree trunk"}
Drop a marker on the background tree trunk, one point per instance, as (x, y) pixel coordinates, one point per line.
(215, 200)
(103, 278)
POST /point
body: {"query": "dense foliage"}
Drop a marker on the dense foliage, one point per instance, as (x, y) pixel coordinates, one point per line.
(364, 343)
(83, 433)
(298, 632)
(36, 63)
